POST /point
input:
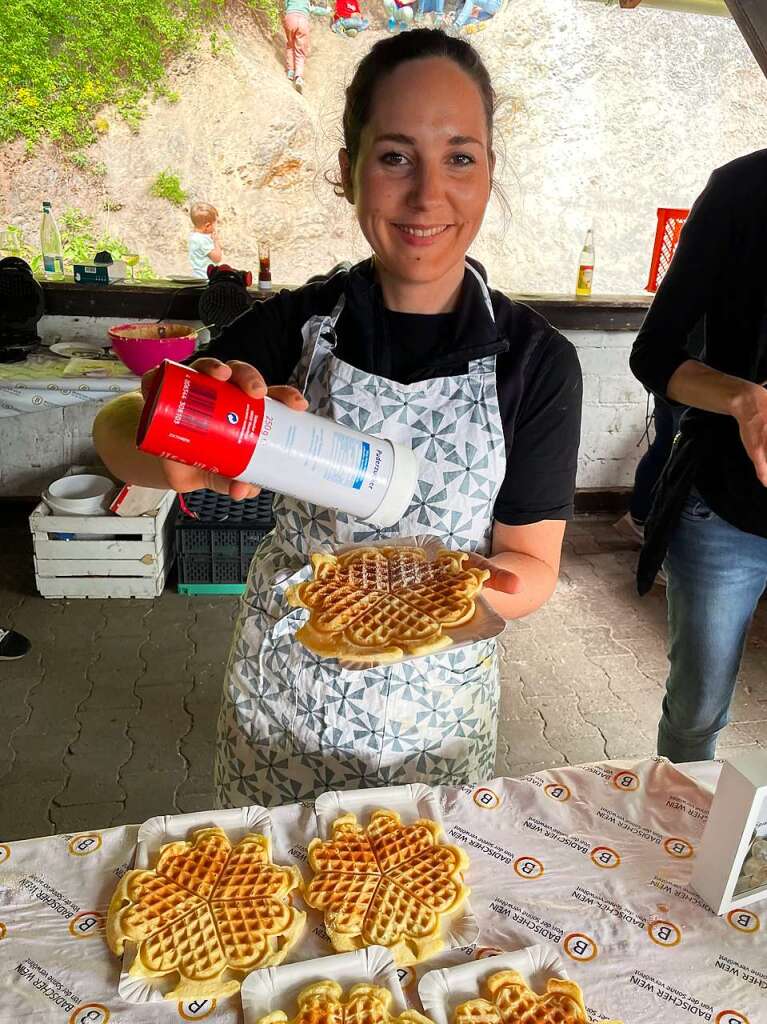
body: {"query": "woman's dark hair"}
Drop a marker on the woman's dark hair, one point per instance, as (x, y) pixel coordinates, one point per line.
(388, 54)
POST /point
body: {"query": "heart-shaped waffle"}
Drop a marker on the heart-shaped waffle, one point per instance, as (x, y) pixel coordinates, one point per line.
(323, 1003)
(388, 885)
(208, 912)
(510, 1000)
(382, 604)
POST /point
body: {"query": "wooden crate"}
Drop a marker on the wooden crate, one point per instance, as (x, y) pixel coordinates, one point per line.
(133, 562)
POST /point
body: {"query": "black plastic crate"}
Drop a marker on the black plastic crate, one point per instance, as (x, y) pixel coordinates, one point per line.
(218, 546)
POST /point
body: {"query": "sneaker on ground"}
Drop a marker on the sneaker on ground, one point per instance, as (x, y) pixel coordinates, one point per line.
(291, 75)
(13, 645)
(628, 527)
(299, 84)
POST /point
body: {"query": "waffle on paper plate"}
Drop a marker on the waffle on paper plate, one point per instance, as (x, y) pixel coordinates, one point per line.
(207, 914)
(510, 1000)
(324, 1003)
(381, 604)
(388, 884)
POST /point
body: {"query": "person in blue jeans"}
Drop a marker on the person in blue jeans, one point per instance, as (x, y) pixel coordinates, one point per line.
(708, 523)
(486, 9)
(428, 6)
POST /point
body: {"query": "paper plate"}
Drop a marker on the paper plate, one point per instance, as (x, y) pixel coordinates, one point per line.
(442, 991)
(411, 802)
(168, 828)
(277, 988)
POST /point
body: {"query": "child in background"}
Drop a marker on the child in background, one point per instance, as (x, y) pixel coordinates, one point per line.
(348, 19)
(401, 13)
(296, 25)
(204, 244)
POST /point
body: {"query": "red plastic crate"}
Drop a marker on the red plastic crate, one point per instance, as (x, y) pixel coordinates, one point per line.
(666, 237)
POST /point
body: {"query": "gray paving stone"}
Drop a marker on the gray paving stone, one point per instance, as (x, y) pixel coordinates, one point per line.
(24, 809)
(149, 794)
(87, 784)
(82, 817)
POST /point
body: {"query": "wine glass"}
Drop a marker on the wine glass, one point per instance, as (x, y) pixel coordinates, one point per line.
(132, 258)
(12, 241)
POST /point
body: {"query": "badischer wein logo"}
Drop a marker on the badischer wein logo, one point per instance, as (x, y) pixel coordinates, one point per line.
(83, 844)
(528, 867)
(486, 798)
(87, 924)
(605, 857)
(90, 1013)
(196, 1009)
(580, 947)
(664, 933)
(744, 921)
(626, 782)
(558, 791)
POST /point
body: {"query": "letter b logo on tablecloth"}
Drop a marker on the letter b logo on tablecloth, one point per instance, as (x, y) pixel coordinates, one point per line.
(605, 857)
(82, 845)
(580, 946)
(196, 1009)
(744, 921)
(626, 782)
(664, 933)
(528, 867)
(90, 1013)
(486, 798)
(86, 924)
(558, 791)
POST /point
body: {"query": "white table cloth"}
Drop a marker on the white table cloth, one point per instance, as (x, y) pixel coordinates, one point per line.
(594, 860)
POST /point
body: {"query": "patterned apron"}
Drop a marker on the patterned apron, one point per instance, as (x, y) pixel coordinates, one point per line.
(293, 725)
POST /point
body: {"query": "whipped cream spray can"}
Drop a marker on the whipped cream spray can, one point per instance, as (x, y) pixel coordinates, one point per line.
(211, 424)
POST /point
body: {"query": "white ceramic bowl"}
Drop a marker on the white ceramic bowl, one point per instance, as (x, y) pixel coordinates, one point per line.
(84, 494)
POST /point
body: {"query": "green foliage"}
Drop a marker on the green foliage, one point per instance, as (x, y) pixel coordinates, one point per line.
(62, 60)
(167, 186)
(80, 242)
(271, 8)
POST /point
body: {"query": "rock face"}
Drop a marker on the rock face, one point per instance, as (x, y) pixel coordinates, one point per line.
(604, 116)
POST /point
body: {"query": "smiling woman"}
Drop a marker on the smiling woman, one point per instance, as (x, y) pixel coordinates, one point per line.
(411, 345)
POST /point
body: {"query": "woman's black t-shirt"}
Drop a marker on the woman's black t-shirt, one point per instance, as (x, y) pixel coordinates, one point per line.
(538, 376)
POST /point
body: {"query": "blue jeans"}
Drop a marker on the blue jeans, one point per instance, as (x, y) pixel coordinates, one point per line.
(356, 21)
(487, 8)
(716, 575)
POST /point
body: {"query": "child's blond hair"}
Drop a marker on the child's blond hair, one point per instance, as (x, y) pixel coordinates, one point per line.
(202, 213)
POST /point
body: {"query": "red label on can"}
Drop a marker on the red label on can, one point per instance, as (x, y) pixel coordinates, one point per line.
(200, 421)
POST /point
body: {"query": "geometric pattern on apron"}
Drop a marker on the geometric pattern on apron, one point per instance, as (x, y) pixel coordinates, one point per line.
(293, 725)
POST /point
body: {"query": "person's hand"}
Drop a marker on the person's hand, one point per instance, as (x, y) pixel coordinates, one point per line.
(500, 579)
(750, 412)
(183, 478)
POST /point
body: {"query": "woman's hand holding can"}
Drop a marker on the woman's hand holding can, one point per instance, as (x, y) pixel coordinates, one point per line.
(184, 478)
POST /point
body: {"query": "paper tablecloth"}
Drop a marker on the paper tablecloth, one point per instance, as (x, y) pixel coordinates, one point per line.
(37, 384)
(593, 859)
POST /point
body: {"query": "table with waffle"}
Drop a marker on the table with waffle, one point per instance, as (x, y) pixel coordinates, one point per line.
(559, 897)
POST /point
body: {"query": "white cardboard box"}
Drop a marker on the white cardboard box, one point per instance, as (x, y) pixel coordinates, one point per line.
(736, 822)
(131, 558)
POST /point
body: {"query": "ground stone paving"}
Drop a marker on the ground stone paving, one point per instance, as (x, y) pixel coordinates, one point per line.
(111, 719)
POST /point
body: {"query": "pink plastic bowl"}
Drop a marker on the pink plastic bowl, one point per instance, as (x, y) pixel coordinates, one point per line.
(143, 346)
